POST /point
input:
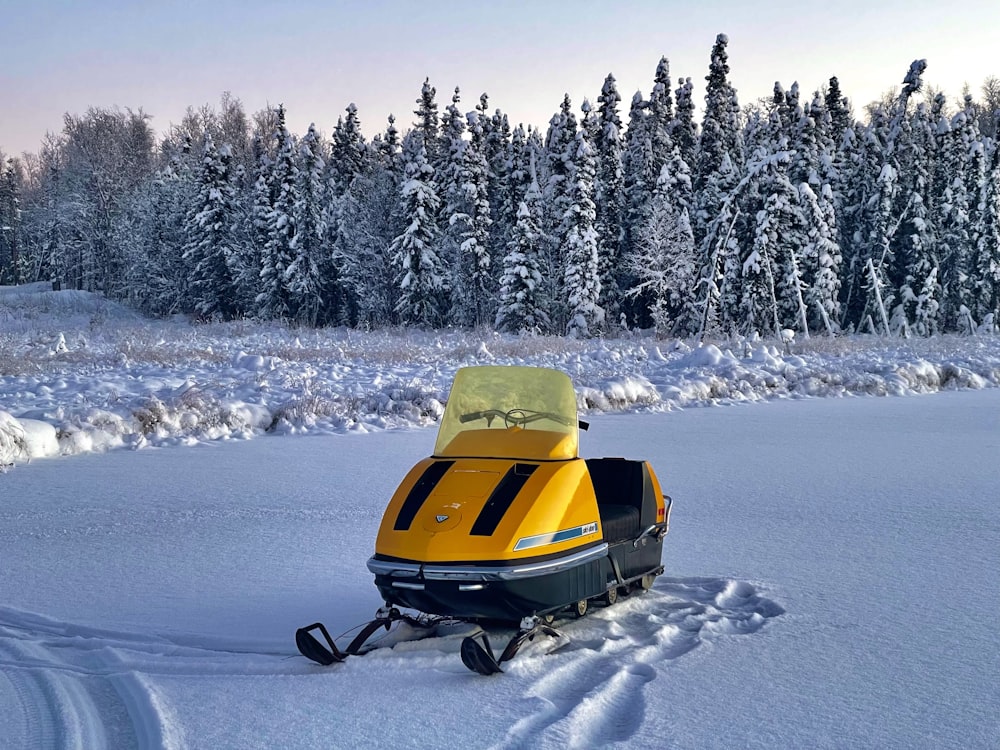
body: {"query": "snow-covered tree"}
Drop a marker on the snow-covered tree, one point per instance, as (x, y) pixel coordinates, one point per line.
(10, 222)
(363, 255)
(955, 228)
(638, 179)
(986, 272)
(609, 196)
(387, 148)
(209, 249)
(304, 277)
(660, 110)
(557, 181)
(840, 113)
(421, 276)
(821, 258)
(348, 151)
(473, 292)
(683, 130)
(274, 299)
(720, 138)
(582, 276)
(664, 261)
(106, 155)
(915, 245)
(428, 125)
(522, 308)
(772, 287)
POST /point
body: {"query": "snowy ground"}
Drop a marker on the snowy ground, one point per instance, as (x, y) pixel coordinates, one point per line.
(830, 583)
(830, 572)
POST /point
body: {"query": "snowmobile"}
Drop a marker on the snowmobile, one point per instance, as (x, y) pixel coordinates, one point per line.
(506, 523)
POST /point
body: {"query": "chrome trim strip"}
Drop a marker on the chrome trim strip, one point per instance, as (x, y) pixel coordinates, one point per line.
(408, 585)
(555, 566)
(472, 572)
(398, 569)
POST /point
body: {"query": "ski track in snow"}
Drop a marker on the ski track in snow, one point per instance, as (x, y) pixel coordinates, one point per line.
(85, 687)
(591, 692)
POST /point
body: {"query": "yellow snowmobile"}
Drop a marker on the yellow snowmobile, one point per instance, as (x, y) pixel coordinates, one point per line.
(505, 522)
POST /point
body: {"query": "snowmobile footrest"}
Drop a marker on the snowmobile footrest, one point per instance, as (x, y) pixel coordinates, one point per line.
(311, 648)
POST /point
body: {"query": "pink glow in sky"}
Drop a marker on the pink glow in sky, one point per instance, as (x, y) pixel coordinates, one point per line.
(318, 56)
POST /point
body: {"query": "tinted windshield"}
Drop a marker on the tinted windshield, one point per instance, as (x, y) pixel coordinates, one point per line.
(515, 399)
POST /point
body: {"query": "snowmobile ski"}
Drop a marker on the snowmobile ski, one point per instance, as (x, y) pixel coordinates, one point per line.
(310, 647)
(477, 654)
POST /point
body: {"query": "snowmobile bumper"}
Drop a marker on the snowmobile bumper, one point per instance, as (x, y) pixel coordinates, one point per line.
(511, 590)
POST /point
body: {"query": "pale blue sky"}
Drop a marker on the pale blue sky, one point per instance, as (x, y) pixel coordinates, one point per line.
(318, 56)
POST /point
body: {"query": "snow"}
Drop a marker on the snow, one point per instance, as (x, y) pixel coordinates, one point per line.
(103, 379)
(830, 570)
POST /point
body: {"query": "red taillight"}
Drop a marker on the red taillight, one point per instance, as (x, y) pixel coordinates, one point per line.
(661, 513)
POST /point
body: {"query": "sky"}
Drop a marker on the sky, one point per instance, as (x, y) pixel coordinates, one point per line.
(318, 56)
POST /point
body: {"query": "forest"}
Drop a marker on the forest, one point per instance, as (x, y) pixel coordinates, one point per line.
(791, 212)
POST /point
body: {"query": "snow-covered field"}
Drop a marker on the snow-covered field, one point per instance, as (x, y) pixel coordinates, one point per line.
(830, 572)
(78, 374)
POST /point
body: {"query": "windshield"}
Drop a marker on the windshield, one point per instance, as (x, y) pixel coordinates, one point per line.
(530, 412)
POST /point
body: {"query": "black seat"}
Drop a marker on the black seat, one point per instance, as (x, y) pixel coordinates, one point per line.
(618, 486)
(620, 522)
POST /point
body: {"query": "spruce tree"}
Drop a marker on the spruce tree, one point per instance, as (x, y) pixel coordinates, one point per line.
(389, 148)
(559, 175)
(638, 179)
(453, 217)
(916, 253)
(683, 130)
(363, 256)
(609, 196)
(582, 275)
(772, 287)
(521, 308)
(956, 245)
(498, 150)
(821, 258)
(720, 269)
(720, 134)
(660, 111)
(273, 300)
(348, 152)
(311, 268)
(209, 248)
(428, 126)
(251, 257)
(986, 273)
(10, 223)
(421, 278)
(718, 161)
(473, 290)
(840, 113)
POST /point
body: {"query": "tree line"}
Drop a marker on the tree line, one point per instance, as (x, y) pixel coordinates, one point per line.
(788, 213)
